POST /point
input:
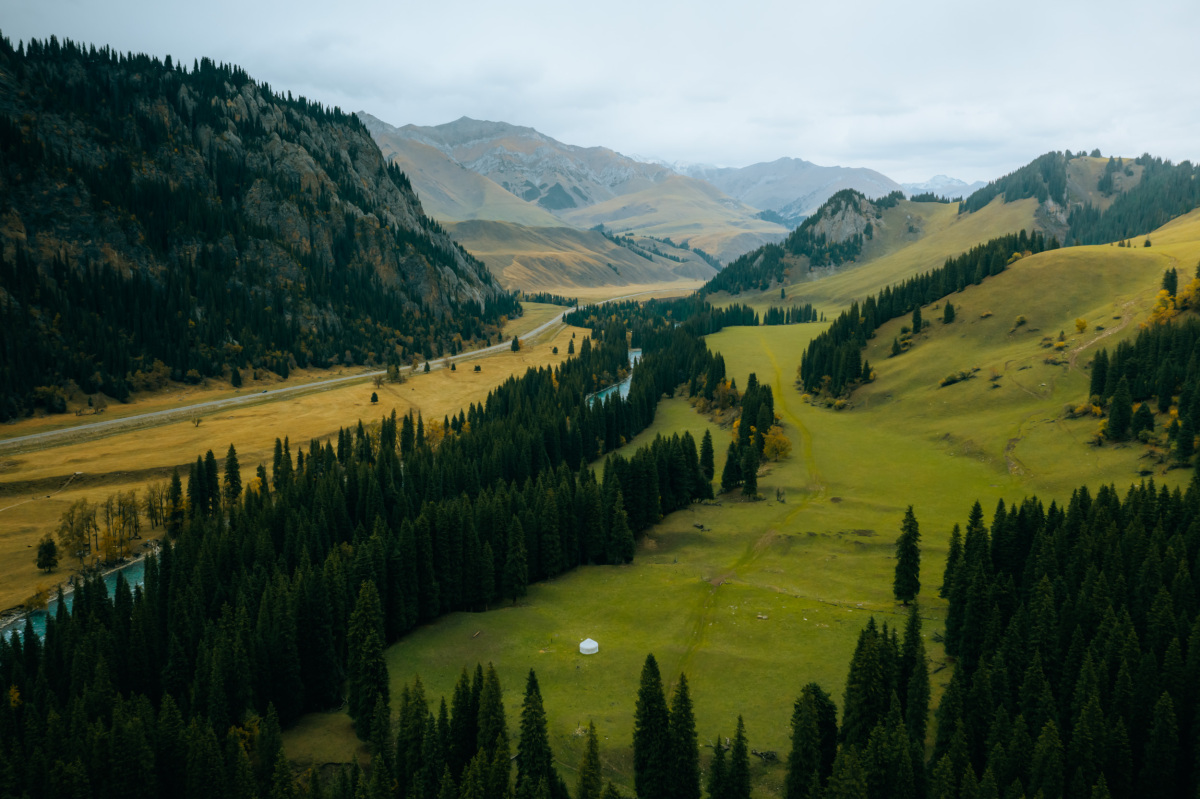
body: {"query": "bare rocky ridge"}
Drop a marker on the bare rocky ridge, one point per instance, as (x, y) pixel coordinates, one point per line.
(531, 165)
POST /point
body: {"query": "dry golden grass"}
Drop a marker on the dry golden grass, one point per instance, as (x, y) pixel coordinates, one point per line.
(31, 501)
(684, 210)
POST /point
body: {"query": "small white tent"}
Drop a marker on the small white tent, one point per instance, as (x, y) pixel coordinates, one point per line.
(589, 647)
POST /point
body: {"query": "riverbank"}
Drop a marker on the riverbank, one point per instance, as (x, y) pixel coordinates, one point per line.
(12, 619)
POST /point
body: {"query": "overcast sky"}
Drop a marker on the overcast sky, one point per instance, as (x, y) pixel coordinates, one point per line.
(968, 89)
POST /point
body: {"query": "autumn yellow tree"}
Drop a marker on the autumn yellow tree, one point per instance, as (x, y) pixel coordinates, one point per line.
(75, 529)
(775, 444)
(1081, 325)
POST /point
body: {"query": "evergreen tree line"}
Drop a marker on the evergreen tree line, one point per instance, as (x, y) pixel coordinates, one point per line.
(1164, 192)
(1044, 178)
(230, 263)
(1159, 369)
(794, 315)
(693, 313)
(275, 595)
(551, 299)
(746, 451)
(930, 197)
(832, 362)
(1077, 641)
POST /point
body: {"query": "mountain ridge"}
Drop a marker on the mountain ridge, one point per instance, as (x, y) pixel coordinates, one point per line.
(261, 231)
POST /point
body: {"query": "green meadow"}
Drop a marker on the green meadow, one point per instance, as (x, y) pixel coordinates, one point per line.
(754, 599)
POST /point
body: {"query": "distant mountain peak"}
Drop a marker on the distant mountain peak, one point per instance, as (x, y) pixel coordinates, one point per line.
(943, 186)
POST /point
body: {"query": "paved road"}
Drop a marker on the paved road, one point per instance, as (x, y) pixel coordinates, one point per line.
(99, 429)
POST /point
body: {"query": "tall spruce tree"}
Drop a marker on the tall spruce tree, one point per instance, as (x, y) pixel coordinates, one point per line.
(535, 762)
(707, 464)
(685, 751)
(366, 669)
(590, 782)
(1120, 412)
(516, 567)
(749, 471)
(907, 582)
(718, 771)
(804, 759)
(913, 683)
(233, 477)
(953, 558)
(738, 777)
(731, 475)
(652, 775)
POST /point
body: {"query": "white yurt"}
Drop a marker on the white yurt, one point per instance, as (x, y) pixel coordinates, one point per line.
(589, 647)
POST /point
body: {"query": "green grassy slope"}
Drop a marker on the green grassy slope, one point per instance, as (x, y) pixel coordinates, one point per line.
(817, 563)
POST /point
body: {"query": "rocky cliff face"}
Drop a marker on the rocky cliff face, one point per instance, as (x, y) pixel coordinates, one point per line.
(844, 217)
(303, 177)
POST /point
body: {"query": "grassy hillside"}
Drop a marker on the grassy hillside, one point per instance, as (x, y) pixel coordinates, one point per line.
(911, 238)
(684, 210)
(450, 192)
(816, 563)
(562, 259)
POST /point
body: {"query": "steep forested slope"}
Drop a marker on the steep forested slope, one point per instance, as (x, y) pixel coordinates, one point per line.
(158, 221)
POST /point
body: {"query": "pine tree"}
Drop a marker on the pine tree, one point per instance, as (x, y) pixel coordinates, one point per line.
(914, 678)
(620, 536)
(953, 558)
(749, 472)
(948, 313)
(1161, 762)
(535, 763)
(1099, 375)
(804, 759)
(907, 582)
(492, 724)
(685, 751)
(731, 475)
(212, 483)
(366, 669)
(1120, 412)
(590, 783)
(848, 780)
(174, 521)
(1046, 775)
(738, 778)
(516, 570)
(651, 736)
(717, 772)
(707, 467)
(233, 477)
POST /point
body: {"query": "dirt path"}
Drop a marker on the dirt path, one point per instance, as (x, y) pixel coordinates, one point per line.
(700, 619)
(61, 488)
(1126, 320)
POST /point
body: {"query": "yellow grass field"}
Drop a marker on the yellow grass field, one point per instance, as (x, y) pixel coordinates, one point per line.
(36, 487)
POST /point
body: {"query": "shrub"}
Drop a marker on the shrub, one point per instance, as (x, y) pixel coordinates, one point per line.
(956, 377)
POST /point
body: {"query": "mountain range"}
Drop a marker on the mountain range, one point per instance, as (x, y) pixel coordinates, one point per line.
(944, 186)
(476, 170)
